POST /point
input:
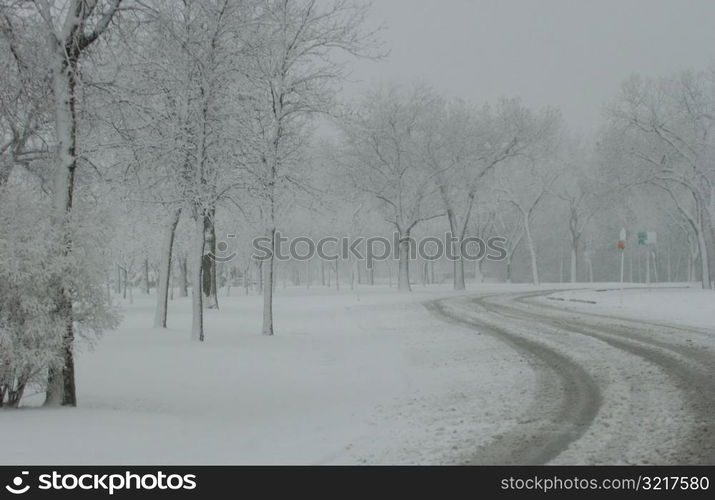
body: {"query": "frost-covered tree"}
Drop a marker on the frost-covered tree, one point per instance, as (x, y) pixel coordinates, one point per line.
(382, 156)
(463, 145)
(179, 123)
(581, 193)
(290, 76)
(24, 94)
(69, 28)
(525, 181)
(666, 126)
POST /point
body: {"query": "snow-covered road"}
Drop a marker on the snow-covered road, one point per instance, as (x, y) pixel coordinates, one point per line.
(610, 390)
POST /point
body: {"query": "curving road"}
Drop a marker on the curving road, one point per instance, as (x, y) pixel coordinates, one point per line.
(610, 390)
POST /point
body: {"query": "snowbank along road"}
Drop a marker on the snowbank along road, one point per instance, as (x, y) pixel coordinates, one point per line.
(611, 390)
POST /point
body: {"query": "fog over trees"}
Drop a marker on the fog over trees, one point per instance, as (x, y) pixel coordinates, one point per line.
(144, 145)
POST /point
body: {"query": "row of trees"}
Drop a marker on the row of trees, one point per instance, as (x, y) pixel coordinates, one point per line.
(422, 157)
(136, 137)
(659, 141)
(171, 109)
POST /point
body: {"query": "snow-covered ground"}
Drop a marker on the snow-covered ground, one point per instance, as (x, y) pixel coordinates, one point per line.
(374, 380)
(679, 304)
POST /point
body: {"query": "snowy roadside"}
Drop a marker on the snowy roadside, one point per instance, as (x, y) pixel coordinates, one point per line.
(375, 380)
(677, 304)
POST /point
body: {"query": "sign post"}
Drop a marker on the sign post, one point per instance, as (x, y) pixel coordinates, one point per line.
(652, 239)
(622, 248)
(648, 239)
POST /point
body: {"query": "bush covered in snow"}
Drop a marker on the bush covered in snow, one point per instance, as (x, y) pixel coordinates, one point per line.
(32, 269)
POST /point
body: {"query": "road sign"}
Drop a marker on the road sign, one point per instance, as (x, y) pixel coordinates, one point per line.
(647, 238)
(621, 245)
(622, 236)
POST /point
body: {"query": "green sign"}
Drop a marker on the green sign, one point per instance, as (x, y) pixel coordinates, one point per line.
(647, 238)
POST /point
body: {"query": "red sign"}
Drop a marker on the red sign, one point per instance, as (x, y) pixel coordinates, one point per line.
(621, 245)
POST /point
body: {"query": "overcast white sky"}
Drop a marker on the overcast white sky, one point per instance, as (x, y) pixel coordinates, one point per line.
(569, 53)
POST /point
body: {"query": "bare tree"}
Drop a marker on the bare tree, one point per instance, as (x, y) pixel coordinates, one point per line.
(290, 77)
(382, 158)
(24, 112)
(581, 194)
(463, 145)
(667, 126)
(524, 184)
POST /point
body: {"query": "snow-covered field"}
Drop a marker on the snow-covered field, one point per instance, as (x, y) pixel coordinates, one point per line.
(679, 304)
(376, 380)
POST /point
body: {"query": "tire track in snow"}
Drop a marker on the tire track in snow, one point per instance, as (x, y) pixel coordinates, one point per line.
(666, 347)
(692, 369)
(566, 403)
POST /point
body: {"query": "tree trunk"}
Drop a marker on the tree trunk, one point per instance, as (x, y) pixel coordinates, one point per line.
(61, 389)
(162, 289)
(118, 285)
(209, 283)
(478, 274)
(226, 279)
(183, 277)
(353, 277)
(145, 276)
(131, 288)
(268, 264)
(532, 252)
(337, 276)
(459, 274)
(574, 261)
(458, 263)
(669, 265)
(704, 258)
(259, 282)
(403, 275)
(197, 325)
(710, 244)
(61, 379)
